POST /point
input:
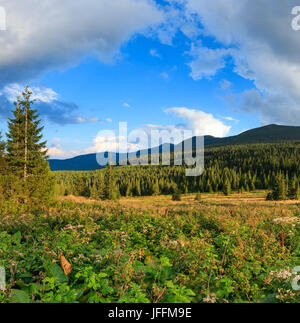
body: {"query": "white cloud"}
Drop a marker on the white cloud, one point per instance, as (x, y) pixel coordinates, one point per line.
(264, 47)
(85, 120)
(56, 153)
(126, 105)
(44, 35)
(274, 108)
(164, 75)
(230, 119)
(109, 142)
(206, 62)
(154, 53)
(200, 123)
(45, 95)
(47, 103)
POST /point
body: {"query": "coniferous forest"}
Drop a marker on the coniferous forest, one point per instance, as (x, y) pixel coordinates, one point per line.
(147, 234)
(237, 168)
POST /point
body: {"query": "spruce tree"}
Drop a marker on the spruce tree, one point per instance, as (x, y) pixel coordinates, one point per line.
(279, 191)
(176, 196)
(27, 153)
(293, 190)
(227, 187)
(109, 182)
(15, 140)
(155, 188)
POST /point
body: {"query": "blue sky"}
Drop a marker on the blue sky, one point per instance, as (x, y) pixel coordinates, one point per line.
(138, 87)
(189, 63)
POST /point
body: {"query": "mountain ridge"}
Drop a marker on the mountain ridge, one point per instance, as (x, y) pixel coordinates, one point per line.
(267, 134)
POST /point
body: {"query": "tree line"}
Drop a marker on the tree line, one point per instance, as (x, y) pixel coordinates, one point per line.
(25, 176)
(230, 168)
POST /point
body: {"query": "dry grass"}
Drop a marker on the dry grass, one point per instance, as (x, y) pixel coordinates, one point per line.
(160, 204)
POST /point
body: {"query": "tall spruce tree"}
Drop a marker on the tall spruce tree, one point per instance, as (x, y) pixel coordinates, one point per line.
(279, 189)
(27, 153)
(293, 189)
(227, 187)
(109, 182)
(15, 148)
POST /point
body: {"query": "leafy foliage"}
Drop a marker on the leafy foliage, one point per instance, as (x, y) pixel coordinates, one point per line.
(209, 253)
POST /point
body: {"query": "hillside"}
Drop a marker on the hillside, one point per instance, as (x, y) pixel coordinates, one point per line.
(267, 134)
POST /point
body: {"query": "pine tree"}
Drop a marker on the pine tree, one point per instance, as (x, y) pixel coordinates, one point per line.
(128, 190)
(293, 190)
(109, 182)
(15, 149)
(279, 191)
(227, 187)
(155, 188)
(176, 196)
(269, 197)
(27, 153)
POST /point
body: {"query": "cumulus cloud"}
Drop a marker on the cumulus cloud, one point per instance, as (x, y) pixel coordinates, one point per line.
(206, 62)
(47, 103)
(55, 150)
(44, 35)
(57, 153)
(263, 46)
(275, 108)
(200, 123)
(40, 94)
(109, 141)
(196, 123)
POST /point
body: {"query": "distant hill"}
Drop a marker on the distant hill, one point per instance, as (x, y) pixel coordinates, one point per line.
(267, 134)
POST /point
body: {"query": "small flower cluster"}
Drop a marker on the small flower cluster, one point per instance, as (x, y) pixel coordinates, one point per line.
(287, 220)
(285, 295)
(283, 274)
(210, 298)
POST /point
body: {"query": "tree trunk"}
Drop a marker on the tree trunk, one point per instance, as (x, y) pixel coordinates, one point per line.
(18, 125)
(26, 141)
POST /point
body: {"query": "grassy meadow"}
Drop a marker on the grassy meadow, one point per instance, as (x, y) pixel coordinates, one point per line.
(237, 248)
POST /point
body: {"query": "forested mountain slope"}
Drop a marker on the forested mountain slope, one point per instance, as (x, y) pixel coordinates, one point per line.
(267, 134)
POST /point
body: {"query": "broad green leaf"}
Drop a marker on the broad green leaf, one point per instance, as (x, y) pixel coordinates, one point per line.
(19, 296)
(58, 274)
